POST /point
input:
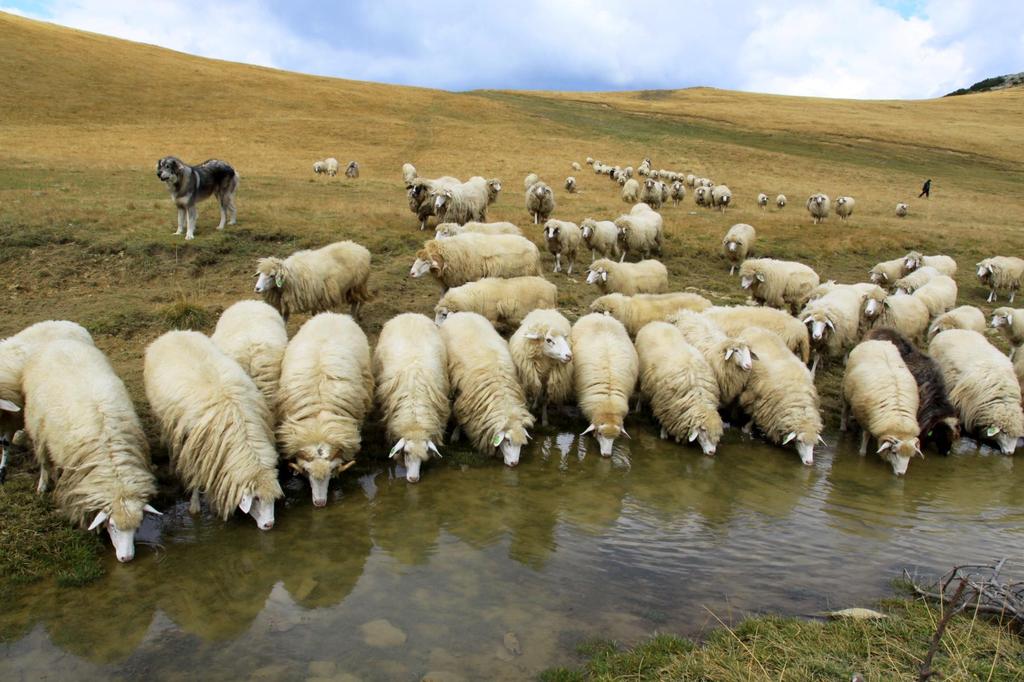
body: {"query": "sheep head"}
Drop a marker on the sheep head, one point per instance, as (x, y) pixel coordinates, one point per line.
(510, 442)
(606, 429)
(595, 275)
(1007, 442)
(554, 346)
(319, 463)
(805, 443)
(587, 229)
(703, 439)
(441, 313)
(414, 452)
(122, 519)
(552, 230)
(270, 274)
(740, 355)
(819, 326)
(899, 452)
(1002, 317)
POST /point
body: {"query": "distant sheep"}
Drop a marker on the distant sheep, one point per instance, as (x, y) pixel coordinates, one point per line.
(352, 170)
(410, 368)
(818, 205)
(451, 229)
(938, 295)
(679, 385)
(936, 416)
(678, 192)
(562, 237)
(1001, 273)
(914, 260)
(721, 197)
(901, 210)
(590, 161)
(640, 231)
(601, 237)
(1009, 321)
(543, 358)
(780, 201)
(737, 244)
(734, 319)
(470, 256)
(253, 334)
(762, 201)
(530, 180)
(319, 167)
(605, 374)
(631, 191)
(904, 313)
(636, 311)
(326, 392)
(216, 424)
(702, 196)
(844, 207)
(576, 166)
(780, 396)
(882, 395)
(915, 280)
(493, 190)
(778, 283)
(316, 281)
(463, 202)
(645, 277)
(964, 317)
(89, 440)
(982, 386)
(331, 166)
(729, 358)
(489, 402)
(409, 173)
(570, 185)
(504, 302)
(540, 202)
(651, 193)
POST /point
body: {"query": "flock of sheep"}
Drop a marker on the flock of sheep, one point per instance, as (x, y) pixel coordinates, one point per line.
(329, 167)
(229, 405)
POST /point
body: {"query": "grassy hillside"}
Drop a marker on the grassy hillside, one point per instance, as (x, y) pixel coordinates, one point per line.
(86, 228)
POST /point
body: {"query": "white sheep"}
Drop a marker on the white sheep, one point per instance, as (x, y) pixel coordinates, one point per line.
(964, 317)
(778, 283)
(570, 185)
(253, 334)
(730, 359)
(326, 392)
(844, 207)
(471, 256)
(737, 244)
(886, 273)
(1009, 321)
(530, 180)
(15, 351)
(451, 229)
(678, 192)
(721, 197)
(463, 202)
(982, 385)
(780, 396)
(762, 201)
(908, 284)
(493, 190)
(601, 237)
(833, 322)
(640, 231)
(319, 167)
(702, 196)
(421, 193)
(590, 161)
(631, 191)
(679, 385)
(316, 281)
(652, 193)
(562, 237)
(938, 295)
(352, 169)
(410, 367)
(605, 373)
(540, 202)
(89, 440)
(489, 402)
(216, 424)
(914, 260)
(882, 395)
(904, 313)
(331, 166)
(576, 166)
(645, 277)
(543, 358)
(1001, 272)
(780, 201)
(636, 311)
(901, 210)
(734, 319)
(503, 301)
(818, 205)
(409, 173)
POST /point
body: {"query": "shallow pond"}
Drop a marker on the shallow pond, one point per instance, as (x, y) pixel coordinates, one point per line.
(497, 573)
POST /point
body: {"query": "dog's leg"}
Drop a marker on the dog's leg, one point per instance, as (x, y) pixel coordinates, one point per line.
(181, 221)
(232, 209)
(223, 211)
(193, 214)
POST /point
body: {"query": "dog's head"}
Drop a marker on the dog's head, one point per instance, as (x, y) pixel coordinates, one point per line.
(169, 169)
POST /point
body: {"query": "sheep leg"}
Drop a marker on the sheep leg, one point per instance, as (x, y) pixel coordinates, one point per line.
(664, 434)
(44, 479)
(3, 459)
(544, 414)
(844, 415)
(571, 262)
(622, 257)
(1013, 292)
(814, 365)
(732, 269)
(456, 434)
(558, 262)
(748, 428)
(181, 221)
(193, 505)
(864, 437)
(536, 218)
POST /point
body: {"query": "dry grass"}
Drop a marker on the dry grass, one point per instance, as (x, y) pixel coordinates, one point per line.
(85, 227)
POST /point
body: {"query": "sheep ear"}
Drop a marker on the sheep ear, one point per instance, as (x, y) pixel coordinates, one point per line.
(100, 518)
(884, 446)
(789, 437)
(760, 277)
(829, 324)
(149, 508)
(8, 406)
(295, 467)
(807, 319)
(623, 430)
(991, 431)
(498, 437)
(533, 336)
(398, 448)
(279, 281)
(589, 429)
(433, 448)
(728, 353)
(246, 504)
(693, 436)
(822, 440)
(1009, 319)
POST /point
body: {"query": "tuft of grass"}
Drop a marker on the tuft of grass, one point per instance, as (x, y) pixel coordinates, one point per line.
(186, 315)
(773, 648)
(38, 542)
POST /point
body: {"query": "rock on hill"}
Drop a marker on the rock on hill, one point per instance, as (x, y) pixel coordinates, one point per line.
(1013, 80)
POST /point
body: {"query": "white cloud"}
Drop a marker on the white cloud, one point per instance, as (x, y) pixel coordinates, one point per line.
(837, 48)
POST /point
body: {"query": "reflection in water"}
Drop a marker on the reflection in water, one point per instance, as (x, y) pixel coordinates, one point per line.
(392, 580)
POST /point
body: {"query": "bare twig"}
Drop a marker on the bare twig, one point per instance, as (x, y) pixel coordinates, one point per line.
(926, 672)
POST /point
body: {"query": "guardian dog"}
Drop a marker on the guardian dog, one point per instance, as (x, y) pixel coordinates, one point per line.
(189, 185)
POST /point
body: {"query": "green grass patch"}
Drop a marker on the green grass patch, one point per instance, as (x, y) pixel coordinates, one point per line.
(187, 315)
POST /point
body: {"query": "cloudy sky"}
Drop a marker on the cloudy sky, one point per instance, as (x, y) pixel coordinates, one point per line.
(829, 48)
